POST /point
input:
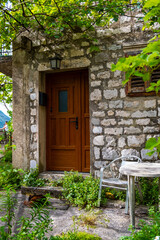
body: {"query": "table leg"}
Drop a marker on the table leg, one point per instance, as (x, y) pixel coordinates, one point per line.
(131, 186)
(159, 194)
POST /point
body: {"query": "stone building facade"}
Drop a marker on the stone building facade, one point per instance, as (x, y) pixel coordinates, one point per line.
(119, 124)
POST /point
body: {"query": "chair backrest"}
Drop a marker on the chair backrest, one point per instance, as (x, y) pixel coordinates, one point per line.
(122, 161)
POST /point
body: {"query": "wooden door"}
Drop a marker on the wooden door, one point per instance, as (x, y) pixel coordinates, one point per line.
(68, 121)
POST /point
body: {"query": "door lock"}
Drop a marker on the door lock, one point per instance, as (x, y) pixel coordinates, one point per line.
(76, 121)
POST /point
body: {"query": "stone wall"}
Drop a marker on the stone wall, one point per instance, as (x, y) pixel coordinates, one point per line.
(120, 125)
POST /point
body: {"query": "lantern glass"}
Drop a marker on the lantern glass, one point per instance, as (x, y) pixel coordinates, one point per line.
(55, 62)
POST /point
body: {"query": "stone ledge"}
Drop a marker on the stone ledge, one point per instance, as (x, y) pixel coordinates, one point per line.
(54, 191)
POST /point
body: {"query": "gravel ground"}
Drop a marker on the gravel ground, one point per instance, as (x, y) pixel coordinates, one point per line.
(110, 222)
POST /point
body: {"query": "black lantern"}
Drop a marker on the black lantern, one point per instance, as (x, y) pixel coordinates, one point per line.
(55, 62)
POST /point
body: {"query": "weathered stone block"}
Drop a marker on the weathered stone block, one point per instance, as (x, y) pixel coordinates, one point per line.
(109, 65)
(143, 114)
(93, 77)
(108, 122)
(121, 142)
(96, 68)
(113, 131)
(144, 121)
(33, 111)
(114, 83)
(129, 152)
(32, 120)
(109, 153)
(101, 57)
(103, 75)
(98, 164)
(151, 129)
(126, 29)
(33, 146)
(95, 121)
(124, 19)
(109, 94)
(33, 96)
(110, 141)
(131, 130)
(97, 130)
(122, 114)
(114, 55)
(114, 47)
(96, 95)
(75, 63)
(133, 104)
(125, 122)
(110, 113)
(135, 141)
(33, 128)
(85, 44)
(145, 156)
(99, 114)
(104, 33)
(122, 93)
(117, 73)
(116, 104)
(98, 140)
(95, 83)
(150, 103)
(103, 105)
(97, 152)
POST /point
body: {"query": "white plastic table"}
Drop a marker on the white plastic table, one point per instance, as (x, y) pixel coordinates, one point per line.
(133, 170)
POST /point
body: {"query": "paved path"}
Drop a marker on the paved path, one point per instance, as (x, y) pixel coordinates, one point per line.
(111, 222)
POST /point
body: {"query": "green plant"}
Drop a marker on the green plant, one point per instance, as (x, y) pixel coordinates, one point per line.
(8, 156)
(79, 191)
(149, 188)
(10, 176)
(30, 228)
(121, 195)
(7, 152)
(75, 235)
(7, 204)
(31, 179)
(153, 145)
(148, 231)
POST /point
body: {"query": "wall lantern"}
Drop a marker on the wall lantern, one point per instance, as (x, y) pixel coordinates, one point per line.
(55, 62)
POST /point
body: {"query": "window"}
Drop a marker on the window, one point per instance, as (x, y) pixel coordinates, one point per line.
(136, 86)
(63, 101)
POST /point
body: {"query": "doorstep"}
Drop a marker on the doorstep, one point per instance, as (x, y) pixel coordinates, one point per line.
(56, 175)
(54, 191)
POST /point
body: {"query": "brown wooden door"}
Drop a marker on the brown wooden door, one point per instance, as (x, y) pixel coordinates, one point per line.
(68, 121)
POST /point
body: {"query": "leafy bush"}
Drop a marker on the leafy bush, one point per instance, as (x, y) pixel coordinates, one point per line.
(82, 192)
(148, 231)
(34, 227)
(8, 156)
(31, 179)
(118, 195)
(29, 228)
(153, 144)
(76, 236)
(149, 188)
(10, 176)
(7, 152)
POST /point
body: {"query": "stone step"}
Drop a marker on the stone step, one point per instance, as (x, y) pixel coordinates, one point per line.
(54, 191)
(56, 175)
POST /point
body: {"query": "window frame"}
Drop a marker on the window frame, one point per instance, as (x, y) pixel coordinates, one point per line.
(129, 88)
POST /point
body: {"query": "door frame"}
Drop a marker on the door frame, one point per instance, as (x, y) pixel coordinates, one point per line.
(42, 117)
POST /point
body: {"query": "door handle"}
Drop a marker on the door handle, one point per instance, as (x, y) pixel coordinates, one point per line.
(76, 121)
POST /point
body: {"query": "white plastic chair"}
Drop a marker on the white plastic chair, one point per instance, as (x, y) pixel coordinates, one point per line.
(116, 181)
